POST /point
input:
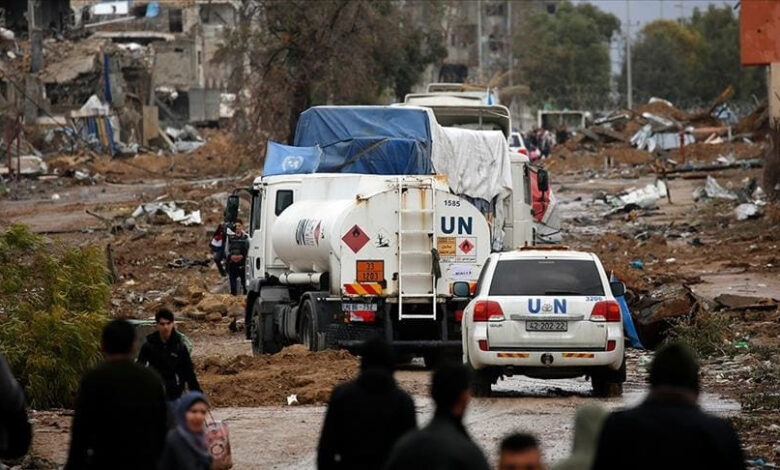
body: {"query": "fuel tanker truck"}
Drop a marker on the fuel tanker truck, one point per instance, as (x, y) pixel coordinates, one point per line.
(363, 227)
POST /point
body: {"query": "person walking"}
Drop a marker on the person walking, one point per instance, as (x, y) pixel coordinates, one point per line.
(668, 429)
(217, 245)
(372, 410)
(186, 447)
(587, 427)
(237, 250)
(165, 352)
(121, 413)
(521, 452)
(15, 429)
(444, 443)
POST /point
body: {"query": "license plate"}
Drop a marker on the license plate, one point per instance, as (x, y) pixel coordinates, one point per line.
(358, 307)
(546, 326)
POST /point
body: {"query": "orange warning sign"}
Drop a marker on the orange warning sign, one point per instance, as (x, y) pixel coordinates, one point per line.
(370, 271)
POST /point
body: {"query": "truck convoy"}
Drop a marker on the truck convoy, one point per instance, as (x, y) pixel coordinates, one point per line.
(363, 226)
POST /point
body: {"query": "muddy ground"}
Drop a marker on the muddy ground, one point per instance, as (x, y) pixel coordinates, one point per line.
(697, 244)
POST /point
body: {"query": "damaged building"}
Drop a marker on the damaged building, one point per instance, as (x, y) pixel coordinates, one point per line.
(122, 71)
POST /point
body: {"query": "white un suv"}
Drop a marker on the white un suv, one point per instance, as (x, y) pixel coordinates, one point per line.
(544, 313)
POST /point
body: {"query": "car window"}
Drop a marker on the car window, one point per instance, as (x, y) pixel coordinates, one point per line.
(514, 141)
(546, 277)
(481, 279)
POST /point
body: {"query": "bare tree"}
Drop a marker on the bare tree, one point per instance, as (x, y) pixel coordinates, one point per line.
(297, 53)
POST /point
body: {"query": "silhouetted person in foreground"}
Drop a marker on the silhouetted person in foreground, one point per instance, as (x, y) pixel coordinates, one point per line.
(444, 443)
(15, 429)
(587, 428)
(121, 411)
(366, 416)
(520, 452)
(669, 430)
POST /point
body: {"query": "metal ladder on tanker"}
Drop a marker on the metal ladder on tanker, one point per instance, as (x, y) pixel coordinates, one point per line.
(426, 232)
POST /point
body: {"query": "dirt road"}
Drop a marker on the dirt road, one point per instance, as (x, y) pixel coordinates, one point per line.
(285, 437)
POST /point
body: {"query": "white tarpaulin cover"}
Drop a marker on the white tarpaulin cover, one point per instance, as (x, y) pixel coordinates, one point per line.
(477, 165)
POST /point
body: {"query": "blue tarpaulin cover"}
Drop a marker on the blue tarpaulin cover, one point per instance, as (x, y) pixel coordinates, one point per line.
(628, 322)
(368, 139)
(283, 159)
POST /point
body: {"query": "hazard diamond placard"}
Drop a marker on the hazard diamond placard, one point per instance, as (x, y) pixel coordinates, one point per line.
(466, 249)
(355, 238)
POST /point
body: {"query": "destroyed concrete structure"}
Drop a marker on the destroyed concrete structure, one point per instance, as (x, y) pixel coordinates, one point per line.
(149, 65)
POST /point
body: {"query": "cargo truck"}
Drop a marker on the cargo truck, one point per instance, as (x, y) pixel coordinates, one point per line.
(337, 256)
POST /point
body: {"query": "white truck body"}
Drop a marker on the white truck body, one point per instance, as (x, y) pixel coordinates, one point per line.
(337, 222)
(335, 258)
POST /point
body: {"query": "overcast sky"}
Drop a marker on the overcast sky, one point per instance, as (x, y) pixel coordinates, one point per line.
(645, 11)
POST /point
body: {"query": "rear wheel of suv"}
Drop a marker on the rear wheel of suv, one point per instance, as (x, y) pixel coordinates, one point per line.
(609, 383)
(481, 382)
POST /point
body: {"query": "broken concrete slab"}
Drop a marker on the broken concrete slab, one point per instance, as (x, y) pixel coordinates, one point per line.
(654, 311)
(28, 165)
(742, 302)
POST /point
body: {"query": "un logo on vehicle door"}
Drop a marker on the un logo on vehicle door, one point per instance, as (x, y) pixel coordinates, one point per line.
(547, 308)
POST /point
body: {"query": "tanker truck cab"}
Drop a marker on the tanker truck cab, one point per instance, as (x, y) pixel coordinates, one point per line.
(337, 258)
(545, 313)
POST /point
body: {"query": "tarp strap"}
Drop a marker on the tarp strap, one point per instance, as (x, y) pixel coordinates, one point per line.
(355, 157)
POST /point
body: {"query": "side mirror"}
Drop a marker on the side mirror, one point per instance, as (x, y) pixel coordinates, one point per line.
(618, 288)
(461, 289)
(231, 208)
(542, 180)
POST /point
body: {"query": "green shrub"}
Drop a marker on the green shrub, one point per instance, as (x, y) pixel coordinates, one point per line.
(53, 304)
(705, 332)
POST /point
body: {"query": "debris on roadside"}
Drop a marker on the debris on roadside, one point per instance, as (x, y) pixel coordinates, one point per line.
(747, 211)
(170, 209)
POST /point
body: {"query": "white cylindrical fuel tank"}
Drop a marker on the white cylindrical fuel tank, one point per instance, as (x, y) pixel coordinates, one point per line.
(307, 232)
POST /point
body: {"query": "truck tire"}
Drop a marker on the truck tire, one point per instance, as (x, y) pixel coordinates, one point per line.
(310, 334)
(262, 334)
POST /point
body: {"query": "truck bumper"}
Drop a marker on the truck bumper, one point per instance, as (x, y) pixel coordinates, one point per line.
(408, 345)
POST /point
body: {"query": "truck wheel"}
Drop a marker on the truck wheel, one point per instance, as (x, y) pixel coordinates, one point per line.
(431, 359)
(262, 334)
(310, 336)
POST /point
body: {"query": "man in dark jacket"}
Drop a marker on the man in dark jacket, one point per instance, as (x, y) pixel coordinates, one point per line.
(668, 430)
(15, 430)
(444, 444)
(166, 353)
(366, 416)
(121, 412)
(236, 251)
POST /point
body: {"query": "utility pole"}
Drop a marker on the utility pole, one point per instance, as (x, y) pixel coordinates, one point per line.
(629, 91)
(479, 38)
(510, 59)
(36, 38)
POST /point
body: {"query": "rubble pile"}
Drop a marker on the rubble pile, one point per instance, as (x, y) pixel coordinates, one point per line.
(658, 137)
(115, 82)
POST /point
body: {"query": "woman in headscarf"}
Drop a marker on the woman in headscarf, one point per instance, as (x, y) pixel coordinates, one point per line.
(186, 447)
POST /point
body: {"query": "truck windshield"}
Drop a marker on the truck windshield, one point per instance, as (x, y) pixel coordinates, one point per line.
(546, 277)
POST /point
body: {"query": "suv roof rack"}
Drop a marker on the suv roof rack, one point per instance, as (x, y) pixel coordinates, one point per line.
(544, 248)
